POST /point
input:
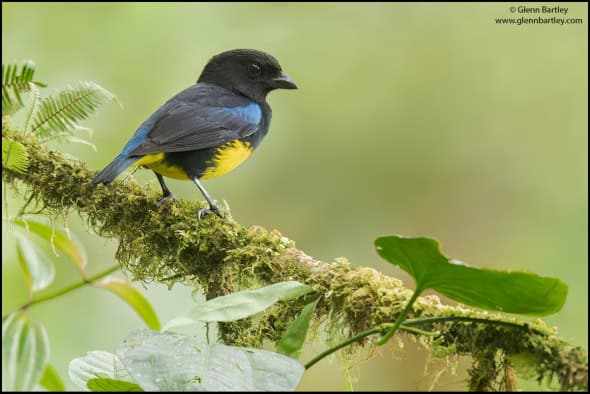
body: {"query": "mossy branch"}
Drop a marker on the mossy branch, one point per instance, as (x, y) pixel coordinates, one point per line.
(168, 244)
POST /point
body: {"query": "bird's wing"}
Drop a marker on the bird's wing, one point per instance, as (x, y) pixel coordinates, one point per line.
(184, 126)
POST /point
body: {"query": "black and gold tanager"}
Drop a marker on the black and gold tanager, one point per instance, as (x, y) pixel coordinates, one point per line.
(208, 129)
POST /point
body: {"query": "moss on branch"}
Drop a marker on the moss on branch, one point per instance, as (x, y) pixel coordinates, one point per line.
(168, 244)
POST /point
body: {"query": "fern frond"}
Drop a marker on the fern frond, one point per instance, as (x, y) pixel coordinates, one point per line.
(31, 107)
(10, 107)
(14, 83)
(60, 113)
(14, 156)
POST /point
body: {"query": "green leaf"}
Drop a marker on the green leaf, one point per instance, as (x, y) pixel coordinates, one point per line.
(51, 379)
(25, 352)
(61, 112)
(134, 298)
(35, 262)
(174, 362)
(9, 108)
(241, 304)
(15, 83)
(507, 291)
(107, 384)
(97, 364)
(14, 156)
(294, 339)
(58, 240)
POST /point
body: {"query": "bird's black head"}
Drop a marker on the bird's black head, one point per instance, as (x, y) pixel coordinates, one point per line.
(248, 72)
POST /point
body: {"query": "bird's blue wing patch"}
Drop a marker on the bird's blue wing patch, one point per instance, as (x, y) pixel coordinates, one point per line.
(250, 113)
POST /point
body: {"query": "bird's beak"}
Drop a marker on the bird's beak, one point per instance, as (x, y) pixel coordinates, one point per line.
(284, 82)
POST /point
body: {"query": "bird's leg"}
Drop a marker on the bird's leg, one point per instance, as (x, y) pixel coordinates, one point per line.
(166, 194)
(212, 207)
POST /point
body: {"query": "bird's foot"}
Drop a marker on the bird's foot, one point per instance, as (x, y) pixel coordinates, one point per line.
(204, 212)
(169, 197)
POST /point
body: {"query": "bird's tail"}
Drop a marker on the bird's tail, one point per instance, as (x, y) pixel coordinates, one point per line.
(110, 172)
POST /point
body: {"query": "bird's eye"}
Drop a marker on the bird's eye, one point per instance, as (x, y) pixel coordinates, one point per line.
(254, 69)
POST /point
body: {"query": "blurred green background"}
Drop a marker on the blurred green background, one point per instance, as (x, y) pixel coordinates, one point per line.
(416, 119)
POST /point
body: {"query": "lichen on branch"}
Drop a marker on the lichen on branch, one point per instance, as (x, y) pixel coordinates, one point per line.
(168, 244)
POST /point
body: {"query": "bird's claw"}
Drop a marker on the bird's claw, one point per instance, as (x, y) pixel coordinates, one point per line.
(204, 212)
(167, 198)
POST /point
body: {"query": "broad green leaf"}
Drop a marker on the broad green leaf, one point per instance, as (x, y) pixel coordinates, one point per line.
(182, 323)
(134, 298)
(108, 384)
(25, 352)
(294, 339)
(58, 239)
(96, 364)
(174, 362)
(51, 379)
(507, 291)
(246, 303)
(35, 262)
(14, 156)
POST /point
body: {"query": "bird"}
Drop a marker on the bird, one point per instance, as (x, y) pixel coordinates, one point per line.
(208, 129)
